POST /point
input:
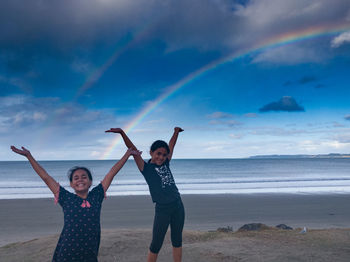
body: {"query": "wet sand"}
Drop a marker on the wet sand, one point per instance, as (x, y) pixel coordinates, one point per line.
(26, 219)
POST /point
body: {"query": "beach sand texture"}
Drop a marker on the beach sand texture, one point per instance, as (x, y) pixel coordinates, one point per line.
(266, 245)
(30, 228)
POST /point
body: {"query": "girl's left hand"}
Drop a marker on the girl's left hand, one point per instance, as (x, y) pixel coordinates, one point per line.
(178, 129)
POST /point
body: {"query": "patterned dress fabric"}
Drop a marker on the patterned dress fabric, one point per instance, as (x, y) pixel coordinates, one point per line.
(80, 237)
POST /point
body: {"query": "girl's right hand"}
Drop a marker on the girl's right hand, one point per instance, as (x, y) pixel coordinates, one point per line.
(134, 152)
(24, 152)
(114, 130)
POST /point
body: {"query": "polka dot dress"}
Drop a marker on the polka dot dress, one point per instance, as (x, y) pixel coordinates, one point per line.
(80, 237)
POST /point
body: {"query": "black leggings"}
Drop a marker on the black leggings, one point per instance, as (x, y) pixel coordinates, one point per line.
(173, 214)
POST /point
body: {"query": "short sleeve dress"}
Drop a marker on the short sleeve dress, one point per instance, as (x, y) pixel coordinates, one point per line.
(80, 237)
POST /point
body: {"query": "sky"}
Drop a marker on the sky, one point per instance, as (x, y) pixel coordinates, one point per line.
(241, 77)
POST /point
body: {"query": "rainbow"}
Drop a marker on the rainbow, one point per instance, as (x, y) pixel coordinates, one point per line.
(97, 74)
(273, 42)
(121, 47)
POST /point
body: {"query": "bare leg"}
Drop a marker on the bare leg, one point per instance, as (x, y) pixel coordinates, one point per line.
(152, 257)
(177, 254)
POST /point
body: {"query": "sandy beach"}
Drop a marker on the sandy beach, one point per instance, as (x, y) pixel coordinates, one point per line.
(30, 228)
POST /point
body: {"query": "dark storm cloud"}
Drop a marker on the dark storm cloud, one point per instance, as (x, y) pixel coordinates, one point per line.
(232, 25)
(33, 31)
(63, 23)
(36, 34)
(286, 103)
(292, 16)
(203, 24)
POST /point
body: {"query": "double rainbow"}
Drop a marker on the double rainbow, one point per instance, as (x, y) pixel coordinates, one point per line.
(273, 42)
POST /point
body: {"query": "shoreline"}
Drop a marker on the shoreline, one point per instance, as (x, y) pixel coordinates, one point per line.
(303, 193)
(26, 219)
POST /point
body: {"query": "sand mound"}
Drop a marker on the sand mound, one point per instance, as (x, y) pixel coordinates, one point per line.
(268, 245)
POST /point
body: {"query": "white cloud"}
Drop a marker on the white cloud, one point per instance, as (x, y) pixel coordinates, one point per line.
(222, 119)
(229, 123)
(277, 131)
(218, 115)
(308, 146)
(235, 136)
(342, 39)
(82, 66)
(27, 117)
(290, 55)
(266, 12)
(39, 116)
(214, 149)
(44, 123)
(251, 115)
(343, 138)
(8, 101)
(337, 144)
(336, 124)
(95, 154)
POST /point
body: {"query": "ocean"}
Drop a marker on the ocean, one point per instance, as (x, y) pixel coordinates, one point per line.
(193, 176)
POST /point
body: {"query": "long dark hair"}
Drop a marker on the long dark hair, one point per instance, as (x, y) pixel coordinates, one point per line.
(159, 144)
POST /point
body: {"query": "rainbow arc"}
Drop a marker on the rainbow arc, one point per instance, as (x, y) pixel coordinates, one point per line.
(273, 42)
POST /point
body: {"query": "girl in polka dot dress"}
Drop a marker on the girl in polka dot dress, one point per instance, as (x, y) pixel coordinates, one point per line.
(80, 237)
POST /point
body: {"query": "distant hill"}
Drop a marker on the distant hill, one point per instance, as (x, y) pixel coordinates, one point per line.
(332, 155)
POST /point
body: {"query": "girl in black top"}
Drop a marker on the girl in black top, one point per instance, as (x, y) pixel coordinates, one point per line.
(169, 209)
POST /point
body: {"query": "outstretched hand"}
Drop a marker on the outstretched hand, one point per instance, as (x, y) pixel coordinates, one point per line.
(134, 152)
(178, 129)
(114, 130)
(24, 152)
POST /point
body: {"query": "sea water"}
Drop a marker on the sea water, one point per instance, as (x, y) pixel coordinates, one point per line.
(192, 176)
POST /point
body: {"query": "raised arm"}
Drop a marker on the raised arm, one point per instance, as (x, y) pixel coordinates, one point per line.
(50, 182)
(126, 139)
(173, 140)
(106, 182)
(138, 159)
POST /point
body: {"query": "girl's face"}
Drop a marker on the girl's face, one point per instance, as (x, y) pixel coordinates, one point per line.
(159, 156)
(80, 181)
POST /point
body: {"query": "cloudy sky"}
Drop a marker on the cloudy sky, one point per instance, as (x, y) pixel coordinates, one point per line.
(242, 77)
